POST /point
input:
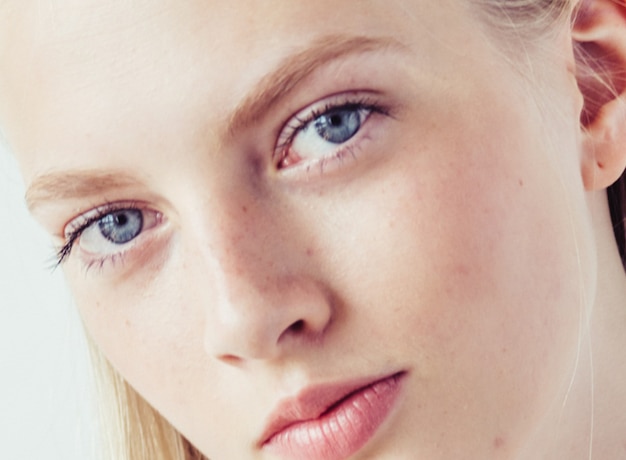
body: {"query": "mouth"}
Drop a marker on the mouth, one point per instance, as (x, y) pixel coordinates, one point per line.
(331, 422)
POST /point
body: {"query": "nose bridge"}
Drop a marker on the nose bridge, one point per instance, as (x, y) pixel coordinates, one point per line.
(239, 252)
(258, 297)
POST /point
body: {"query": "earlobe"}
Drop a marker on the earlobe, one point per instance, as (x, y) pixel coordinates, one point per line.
(604, 146)
(599, 34)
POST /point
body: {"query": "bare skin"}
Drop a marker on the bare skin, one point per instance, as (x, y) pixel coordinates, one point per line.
(456, 236)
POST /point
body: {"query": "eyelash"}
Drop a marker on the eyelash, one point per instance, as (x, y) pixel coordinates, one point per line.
(288, 134)
(298, 123)
(82, 223)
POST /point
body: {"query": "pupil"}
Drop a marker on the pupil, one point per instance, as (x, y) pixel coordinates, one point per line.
(121, 219)
(336, 120)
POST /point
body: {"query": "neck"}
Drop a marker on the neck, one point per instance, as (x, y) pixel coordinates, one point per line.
(607, 345)
(589, 421)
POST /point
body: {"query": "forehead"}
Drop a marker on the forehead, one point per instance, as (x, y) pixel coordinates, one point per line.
(58, 56)
(84, 68)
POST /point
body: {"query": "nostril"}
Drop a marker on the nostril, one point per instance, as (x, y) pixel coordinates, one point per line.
(249, 323)
(296, 327)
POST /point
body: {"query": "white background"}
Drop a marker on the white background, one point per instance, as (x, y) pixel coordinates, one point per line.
(44, 378)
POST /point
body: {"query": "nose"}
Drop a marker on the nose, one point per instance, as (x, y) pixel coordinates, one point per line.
(265, 322)
(264, 300)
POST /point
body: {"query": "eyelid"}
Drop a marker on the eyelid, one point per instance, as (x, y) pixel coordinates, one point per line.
(73, 230)
(92, 215)
(94, 242)
(310, 112)
(371, 103)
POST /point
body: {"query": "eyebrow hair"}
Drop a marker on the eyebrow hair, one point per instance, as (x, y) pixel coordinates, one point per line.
(299, 66)
(74, 184)
(271, 88)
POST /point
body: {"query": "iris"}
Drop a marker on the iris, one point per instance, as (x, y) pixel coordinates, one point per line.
(338, 125)
(120, 227)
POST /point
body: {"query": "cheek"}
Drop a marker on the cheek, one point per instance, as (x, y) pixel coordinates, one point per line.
(153, 336)
(467, 263)
(505, 266)
(506, 248)
(480, 240)
(148, 336)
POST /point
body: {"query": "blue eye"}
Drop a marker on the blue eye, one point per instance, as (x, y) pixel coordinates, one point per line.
(318, 136)
(328, 131)
(120, 227)
(339, 125)
(108, 231)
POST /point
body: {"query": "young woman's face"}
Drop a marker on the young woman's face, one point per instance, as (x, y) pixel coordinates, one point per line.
(272, 205)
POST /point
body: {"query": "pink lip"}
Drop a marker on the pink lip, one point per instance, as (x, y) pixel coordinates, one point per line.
(331, 422)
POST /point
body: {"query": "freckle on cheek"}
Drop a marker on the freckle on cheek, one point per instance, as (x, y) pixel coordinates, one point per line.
(498, 443)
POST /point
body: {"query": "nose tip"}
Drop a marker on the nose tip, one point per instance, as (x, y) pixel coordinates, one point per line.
(264, 324)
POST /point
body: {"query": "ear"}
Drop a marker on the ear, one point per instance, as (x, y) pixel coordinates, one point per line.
(599, 34)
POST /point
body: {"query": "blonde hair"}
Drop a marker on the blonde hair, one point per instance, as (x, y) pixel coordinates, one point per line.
(132, 429)
(129, 427)
(527, 19)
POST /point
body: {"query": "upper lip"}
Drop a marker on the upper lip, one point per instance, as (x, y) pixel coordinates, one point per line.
(312, 402)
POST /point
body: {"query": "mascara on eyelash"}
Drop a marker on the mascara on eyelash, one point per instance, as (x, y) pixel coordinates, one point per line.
(301, 124)
(76, 232)
(72, 237)
(297, 123)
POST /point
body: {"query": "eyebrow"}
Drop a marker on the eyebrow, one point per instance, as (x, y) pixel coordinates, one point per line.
(75, 184)
(299, 66)
(295, 68)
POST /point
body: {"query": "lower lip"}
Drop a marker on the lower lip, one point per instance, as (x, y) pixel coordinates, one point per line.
(343, 430)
